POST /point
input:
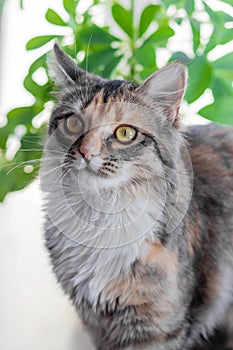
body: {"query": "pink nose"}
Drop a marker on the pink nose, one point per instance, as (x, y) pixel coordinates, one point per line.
(91, 145)
(86, 151)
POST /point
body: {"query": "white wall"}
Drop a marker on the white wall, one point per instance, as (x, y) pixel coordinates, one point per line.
(34, 312)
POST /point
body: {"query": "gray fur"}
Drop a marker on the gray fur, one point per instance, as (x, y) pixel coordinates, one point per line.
(129, 241)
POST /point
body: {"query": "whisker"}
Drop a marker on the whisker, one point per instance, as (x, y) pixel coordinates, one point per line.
(21, 164)
(28, 162)
(87, 53)
(53, 169)
(30, 149)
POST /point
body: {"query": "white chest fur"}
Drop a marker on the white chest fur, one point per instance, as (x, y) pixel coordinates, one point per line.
(95, 243)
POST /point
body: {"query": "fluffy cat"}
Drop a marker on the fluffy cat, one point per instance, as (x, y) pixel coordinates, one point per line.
(139, 211)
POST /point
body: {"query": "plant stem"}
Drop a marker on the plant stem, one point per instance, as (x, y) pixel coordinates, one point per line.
(133, 39)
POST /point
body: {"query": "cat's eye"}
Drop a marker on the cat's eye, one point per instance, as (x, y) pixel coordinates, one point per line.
(74, 124)
(125, 134)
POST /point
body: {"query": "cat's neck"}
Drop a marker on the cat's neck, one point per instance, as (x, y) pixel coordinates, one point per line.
(98, 245)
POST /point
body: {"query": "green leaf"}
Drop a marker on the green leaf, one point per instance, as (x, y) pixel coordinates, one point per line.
(171, 2)
(2, 4)
(224, 36)
(54, 18)
(220, 111)
(189, 6)
(40, 92)
(111, 66)
(5, 131)
(223, 68)
(147, 17)
(221, 87)
(178, 20)
(224, 64)
(160, 37)
(14, 178)
(218, 17)
(39, 41)
(196, 27)
(146, 72)
(31, 86)
(123, 18)
(31, 147)
(95, 36)
(19, 115)
(23, 115)
(180, 57)
(220, 35)
(38, 63)
(145, 55)
(71, 50)
(199, 78)
(101, 62)
(70, 6)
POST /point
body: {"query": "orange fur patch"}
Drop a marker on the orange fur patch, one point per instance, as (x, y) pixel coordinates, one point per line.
(141, 292)
(162, 257)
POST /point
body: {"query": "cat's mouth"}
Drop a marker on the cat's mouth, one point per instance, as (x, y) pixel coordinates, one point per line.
(106, 169)
(102, 172)
(91, 180)
(102, 169)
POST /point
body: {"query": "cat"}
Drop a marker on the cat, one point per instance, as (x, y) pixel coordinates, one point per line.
(139, 211)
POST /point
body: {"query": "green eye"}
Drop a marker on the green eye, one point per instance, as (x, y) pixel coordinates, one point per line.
(74, 124)
(125, 134)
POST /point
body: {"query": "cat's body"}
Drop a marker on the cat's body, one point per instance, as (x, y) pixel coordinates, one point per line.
(149, 265)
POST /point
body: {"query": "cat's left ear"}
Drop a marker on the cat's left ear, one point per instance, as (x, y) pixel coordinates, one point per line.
(167, 88)
(64, 71)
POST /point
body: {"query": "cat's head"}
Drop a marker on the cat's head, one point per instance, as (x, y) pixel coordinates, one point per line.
(116, 132)
(113, 155)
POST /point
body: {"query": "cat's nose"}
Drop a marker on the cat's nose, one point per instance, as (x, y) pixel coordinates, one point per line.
(90, 146)
(86, 152)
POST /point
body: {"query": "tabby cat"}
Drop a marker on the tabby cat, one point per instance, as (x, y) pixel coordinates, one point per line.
(139, 211)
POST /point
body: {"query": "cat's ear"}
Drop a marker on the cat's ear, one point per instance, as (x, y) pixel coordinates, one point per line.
(64, 70)
(167, 87)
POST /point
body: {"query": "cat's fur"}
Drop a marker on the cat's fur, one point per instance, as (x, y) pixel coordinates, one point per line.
(140, 235)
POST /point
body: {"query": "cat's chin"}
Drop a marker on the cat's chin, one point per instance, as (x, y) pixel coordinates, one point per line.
(93, 182)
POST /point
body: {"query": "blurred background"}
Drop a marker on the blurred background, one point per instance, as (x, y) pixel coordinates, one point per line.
(117, 39)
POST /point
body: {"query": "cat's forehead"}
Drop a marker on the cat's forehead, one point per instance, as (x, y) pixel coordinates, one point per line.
(86, 90)
(106, 116)
(112, 102)
(114, 109)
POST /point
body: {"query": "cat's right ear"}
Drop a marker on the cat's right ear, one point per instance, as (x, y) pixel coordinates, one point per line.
(63, 70)
(166, 87)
